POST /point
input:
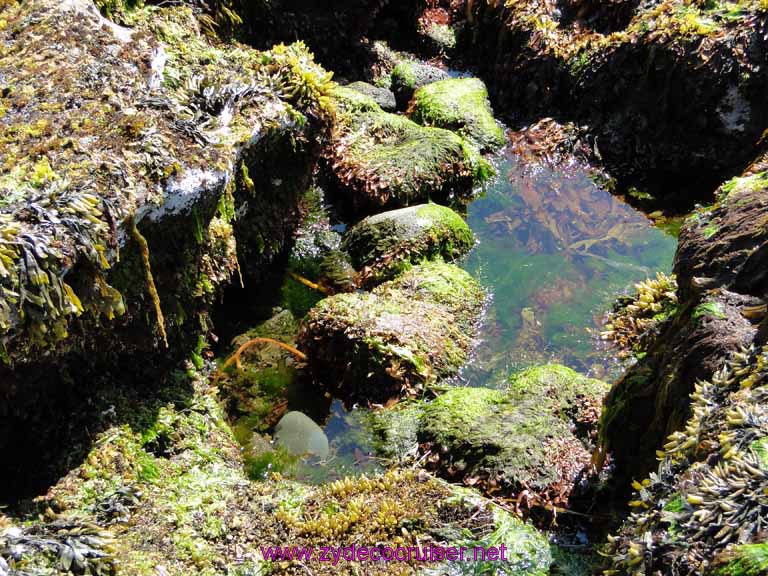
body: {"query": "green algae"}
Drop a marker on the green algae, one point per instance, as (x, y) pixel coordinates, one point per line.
(385, 245)
(382, 160)
(461, 105)
(745, 560)
(397, 340)
(505, 438)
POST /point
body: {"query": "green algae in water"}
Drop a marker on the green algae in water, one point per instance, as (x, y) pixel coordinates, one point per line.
(555, 250)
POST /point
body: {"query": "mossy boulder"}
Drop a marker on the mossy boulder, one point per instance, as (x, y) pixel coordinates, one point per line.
(134, 191)
(536, 434)
(379, 160)
(383, 96)
(461, 105)
(409, 75)
(170, 490)
(386, 244)
(396, 340)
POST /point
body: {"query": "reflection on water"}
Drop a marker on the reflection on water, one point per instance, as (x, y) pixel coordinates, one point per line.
(554, 250)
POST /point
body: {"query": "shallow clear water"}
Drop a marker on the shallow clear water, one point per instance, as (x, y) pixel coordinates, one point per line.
(555, 249)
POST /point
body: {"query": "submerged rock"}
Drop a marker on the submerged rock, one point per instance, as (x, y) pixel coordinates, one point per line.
(409, 75)
(386, 244)
(189, 508)
(461, 105)
(396, 340)
(380, 160)
(299, 434)
(536, 435)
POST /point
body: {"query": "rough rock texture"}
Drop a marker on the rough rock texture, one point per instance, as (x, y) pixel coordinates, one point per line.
(720, 267)
(397, 340)
(461, 105)
(111, 127)
(143, 169)
(536, 435)
(383, 96)
(386, 244)
(704, 510)
(165, 491)
(379, 160)
(672, 89)
(409, 75)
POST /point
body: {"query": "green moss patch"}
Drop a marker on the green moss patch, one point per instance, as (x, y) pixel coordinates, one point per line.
(384, 245)
(397, 340)
(536, 434)
(381, 160)
(461, 105)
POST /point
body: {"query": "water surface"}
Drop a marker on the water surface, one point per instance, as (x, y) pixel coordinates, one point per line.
(555, 249)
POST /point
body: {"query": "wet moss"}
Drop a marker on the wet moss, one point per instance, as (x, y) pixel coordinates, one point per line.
(385, 245)
(381, 160)
(461, 105)
(746, 560)
(397, 340)
(535, 434)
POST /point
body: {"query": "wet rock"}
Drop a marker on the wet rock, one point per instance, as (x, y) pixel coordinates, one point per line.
(379, 160)
(299, 434)
(395, 341)
(119, 210)
(386, 244)
(201, 514)
(461, 105)
(669, 117)
(702, 510)
(384, 97)
(719, 265)
(409, 75)
(536, 434)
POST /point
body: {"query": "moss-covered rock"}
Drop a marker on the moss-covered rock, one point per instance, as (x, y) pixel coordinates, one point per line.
(745, 560)
(135, 190)
(602, 63)
(169, 492)
(409, 75)
(534, 435)
(379, 160)
(461, 105)
(383, 96)
(386, 244)
(396, 340)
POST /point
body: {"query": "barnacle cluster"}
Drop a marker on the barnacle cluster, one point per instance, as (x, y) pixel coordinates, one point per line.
(633, 322)
(710, 494)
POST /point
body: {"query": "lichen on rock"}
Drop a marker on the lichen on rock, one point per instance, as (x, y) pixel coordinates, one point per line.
(461, 105)
(398, 339)
(409, 75)
(386, 244)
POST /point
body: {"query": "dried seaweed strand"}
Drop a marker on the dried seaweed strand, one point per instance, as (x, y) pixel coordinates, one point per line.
(236, 356)
(152, 289)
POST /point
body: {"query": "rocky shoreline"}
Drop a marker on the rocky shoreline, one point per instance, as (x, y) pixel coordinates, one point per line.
(154, 167)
